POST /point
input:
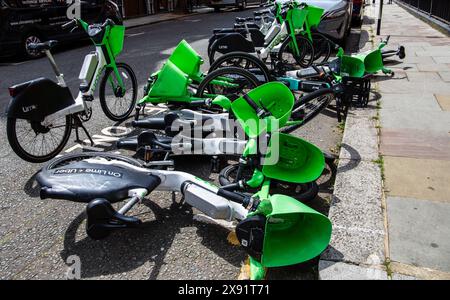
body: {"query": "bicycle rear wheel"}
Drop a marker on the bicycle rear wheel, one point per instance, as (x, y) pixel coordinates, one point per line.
(36, 142)
(246, 61)
(231, 82)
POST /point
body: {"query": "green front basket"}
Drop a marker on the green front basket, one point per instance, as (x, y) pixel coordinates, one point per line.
(274, 97)
(314, 15)
(373, 61)
(294, 233)
(292, 159)
(352, 66)
(187, 60)
(115, 39)
(171, 82)
(297, 17)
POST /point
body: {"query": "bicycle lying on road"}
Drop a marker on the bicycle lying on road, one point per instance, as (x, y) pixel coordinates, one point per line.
(274, 229)
(42, 113)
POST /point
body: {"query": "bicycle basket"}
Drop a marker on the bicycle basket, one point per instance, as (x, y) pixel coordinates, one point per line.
(292, 159)
(314, 15)
(115, 39)
(187, 60)
(170, 82)
(275, 97)
(352, 66)
(297, 17)
(373, 61)
(294, 233)
(356, 91)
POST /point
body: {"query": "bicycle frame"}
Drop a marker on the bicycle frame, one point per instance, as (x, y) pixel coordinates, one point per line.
(103, 58)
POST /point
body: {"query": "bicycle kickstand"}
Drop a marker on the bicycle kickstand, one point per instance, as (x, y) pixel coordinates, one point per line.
(77, 124)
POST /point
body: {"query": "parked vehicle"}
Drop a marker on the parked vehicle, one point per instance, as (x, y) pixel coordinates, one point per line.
(336, 20)
(241, 4)
(25, 22)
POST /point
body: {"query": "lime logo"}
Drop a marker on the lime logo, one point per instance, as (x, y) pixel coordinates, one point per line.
(29, 108)
(74, 9)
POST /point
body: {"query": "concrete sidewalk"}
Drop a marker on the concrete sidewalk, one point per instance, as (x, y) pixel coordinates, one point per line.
(162, 17)
(415, 145)
(391, 204)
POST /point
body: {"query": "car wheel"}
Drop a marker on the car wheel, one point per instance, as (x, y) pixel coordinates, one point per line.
(242, 5)
(31, 38)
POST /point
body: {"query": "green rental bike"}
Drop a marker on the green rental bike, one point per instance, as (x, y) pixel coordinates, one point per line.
(42, 113)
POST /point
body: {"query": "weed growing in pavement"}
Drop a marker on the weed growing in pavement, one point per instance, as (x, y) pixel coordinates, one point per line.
(380, 163)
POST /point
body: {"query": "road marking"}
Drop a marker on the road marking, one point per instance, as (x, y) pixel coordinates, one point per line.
(135, 34)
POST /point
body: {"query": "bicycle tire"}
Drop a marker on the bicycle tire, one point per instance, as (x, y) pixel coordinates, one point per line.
(103, 103)
(23, 154)
(204, 85)
(306, 48)
(260, 67)
(325, 95)
(309, 190)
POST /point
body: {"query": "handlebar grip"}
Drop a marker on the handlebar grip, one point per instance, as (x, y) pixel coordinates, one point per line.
(152, 123)
(259, 111)
(232, 196)
(69, 24)
(108, 22)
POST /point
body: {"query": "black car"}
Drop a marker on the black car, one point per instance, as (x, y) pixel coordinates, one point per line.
(23, 22)
(336, 19)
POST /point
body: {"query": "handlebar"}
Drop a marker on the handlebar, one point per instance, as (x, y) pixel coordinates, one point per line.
(69, 24)
(260, 112)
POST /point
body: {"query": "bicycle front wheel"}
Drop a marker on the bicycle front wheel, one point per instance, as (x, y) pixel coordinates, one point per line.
(36, 142)
(117, 101)
(291, 59)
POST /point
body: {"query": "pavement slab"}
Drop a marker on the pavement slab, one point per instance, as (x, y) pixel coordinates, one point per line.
(418, 178)
(445, 75)
(444, 101)
(432, 121)
(420, 102)
(415, 144)
(418, 232)
(330, 270)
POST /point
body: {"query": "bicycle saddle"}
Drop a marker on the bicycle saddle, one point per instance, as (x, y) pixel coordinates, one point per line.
(146, 138)
(43, 46)
(84, 181)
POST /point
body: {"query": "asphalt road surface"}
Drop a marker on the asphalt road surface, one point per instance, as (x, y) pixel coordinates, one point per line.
(39, 237)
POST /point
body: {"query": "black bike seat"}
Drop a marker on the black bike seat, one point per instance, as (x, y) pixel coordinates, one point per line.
(84, 181)
(146, 138)
(43, 46)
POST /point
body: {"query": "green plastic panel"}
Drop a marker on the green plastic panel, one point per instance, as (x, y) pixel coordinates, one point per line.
(294, 233)
(273, 96)
(298, 160)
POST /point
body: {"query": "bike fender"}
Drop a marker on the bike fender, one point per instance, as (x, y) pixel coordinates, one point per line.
(37, 99)
(232, 42)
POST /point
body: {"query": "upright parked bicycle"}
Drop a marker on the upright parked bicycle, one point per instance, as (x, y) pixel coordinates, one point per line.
(42, 113)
